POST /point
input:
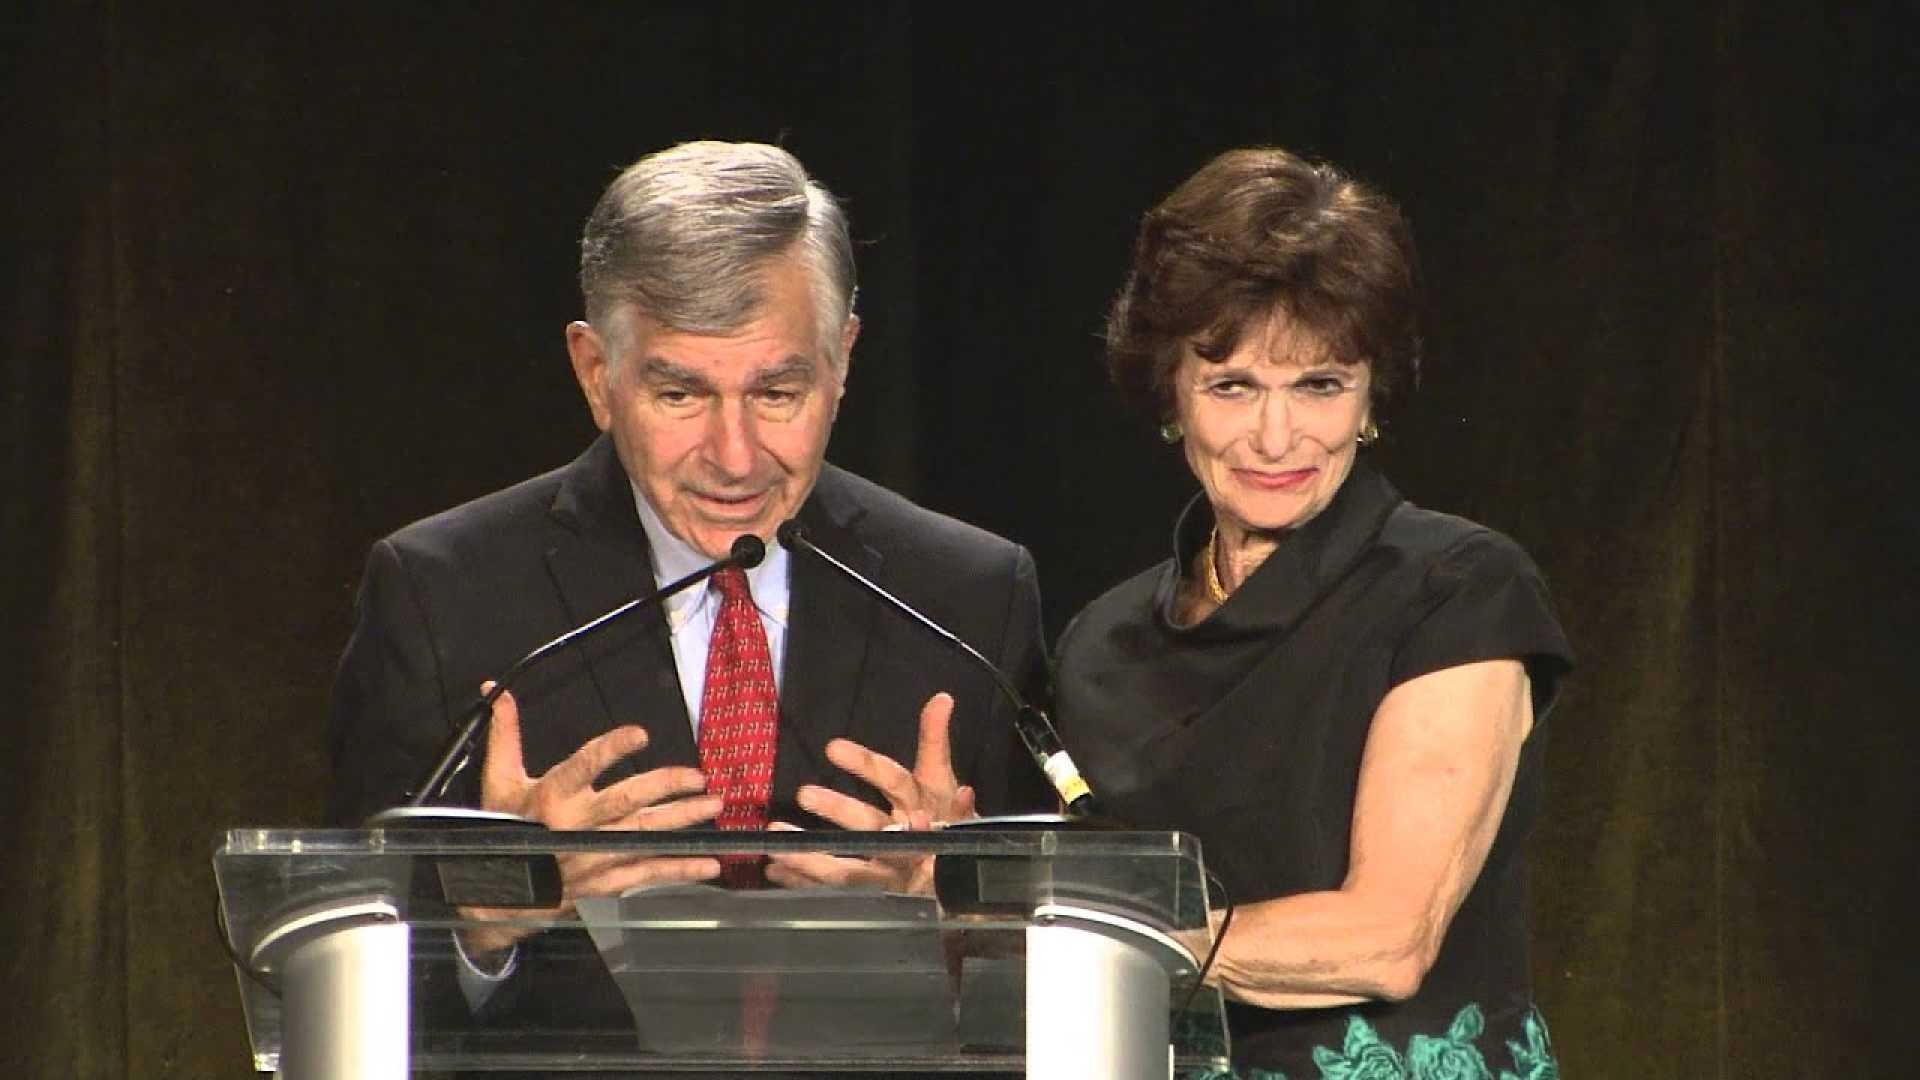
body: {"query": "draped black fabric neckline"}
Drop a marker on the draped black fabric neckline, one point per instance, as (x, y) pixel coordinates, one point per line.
(1155, 682)
(1304, 567)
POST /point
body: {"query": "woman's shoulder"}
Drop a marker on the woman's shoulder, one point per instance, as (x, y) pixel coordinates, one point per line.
(1472, 593)
(1448, 546)
(1129, 602)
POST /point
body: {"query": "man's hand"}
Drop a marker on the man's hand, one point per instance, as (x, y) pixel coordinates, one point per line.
(926, 797)
(565, 799)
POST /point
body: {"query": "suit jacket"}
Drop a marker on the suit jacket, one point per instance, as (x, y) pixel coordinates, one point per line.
(455, 599)
(459, 597)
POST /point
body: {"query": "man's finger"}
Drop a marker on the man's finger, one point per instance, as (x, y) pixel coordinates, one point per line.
(933, 761)
(895, 782)
(842, 810)
(670, 815)
(503, 772)
(597, 755)
(614, 878)
(619, 800)
(814, 870)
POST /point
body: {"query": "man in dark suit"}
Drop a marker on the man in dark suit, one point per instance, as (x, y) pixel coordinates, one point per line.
(719, 285)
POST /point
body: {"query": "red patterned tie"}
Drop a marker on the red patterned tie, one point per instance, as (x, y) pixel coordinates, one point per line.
(739, 709)
(739, 722)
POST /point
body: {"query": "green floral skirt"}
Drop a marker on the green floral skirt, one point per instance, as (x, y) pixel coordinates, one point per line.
(1456, 1055)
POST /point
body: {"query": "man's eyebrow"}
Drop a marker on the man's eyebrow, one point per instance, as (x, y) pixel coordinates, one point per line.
(793, 367)
(660, 369)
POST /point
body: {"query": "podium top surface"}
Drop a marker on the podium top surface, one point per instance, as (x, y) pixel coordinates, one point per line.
(1038, 839)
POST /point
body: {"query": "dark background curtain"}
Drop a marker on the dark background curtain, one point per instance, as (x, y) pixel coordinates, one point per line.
(278, 281)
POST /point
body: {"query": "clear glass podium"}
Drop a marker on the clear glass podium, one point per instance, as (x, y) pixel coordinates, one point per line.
(1038, 950)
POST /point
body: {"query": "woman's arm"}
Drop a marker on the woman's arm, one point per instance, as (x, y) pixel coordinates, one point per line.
(1434, 780)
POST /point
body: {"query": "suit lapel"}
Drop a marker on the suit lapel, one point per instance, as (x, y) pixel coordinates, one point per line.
(828, 632)
(601, 562)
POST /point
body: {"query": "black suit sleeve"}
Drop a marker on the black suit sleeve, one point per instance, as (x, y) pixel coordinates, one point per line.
(1005, 777)
(389, 706)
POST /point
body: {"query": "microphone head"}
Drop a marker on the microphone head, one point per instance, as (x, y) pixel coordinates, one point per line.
(747, 551)
(790, 532)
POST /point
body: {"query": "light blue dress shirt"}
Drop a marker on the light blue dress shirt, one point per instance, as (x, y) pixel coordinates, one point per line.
(690, 615)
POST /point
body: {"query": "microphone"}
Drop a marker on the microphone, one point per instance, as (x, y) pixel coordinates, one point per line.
(746, 553)
(1033, 726)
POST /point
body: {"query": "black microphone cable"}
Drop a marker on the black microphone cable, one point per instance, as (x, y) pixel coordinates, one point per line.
(1213, 951)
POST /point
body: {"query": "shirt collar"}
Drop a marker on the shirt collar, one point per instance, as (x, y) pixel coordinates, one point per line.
(674, 558)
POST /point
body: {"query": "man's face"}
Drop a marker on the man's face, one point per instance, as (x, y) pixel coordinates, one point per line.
(724, 435)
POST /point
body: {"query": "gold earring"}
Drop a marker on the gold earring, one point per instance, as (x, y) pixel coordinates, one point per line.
(1369, 434)
(1170, 432)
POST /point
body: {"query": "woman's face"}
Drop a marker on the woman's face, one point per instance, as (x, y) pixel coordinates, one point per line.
(1271, 430)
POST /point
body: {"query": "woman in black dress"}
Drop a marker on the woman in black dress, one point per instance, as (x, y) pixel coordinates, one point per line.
(1338, 692)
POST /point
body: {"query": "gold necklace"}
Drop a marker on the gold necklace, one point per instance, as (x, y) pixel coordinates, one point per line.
(1216, 591)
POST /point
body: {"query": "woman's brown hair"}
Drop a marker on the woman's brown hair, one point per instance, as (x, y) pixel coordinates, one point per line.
(1257, 231)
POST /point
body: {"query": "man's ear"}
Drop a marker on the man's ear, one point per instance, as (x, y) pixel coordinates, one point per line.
(851, 334)
(592, 368)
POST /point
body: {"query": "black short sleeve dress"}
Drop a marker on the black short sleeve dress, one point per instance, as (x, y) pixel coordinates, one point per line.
(1247, 728)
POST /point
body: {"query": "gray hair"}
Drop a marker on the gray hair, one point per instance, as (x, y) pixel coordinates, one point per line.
(685, 235)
